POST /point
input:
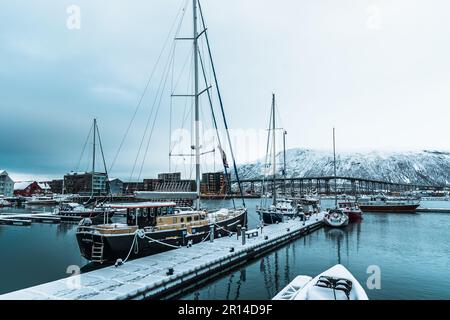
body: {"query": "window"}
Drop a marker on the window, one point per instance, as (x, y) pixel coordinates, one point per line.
(189, 219)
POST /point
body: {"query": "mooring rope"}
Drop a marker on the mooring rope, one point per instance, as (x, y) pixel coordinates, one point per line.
(131, 248)
(207, 237)
(160, 242)
(229, 232)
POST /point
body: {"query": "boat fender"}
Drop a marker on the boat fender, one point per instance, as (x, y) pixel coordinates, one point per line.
(141, 233)
(118, 263)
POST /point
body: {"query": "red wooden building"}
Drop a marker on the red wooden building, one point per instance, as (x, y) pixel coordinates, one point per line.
(27, 188)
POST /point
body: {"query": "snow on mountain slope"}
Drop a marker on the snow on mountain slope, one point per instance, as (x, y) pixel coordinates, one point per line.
(423, 167)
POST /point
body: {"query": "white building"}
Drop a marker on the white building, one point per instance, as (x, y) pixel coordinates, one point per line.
(6, 184)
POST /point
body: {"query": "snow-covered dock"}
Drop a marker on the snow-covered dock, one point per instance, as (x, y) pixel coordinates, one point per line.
(27, 219)
(24, 219)
(166, 274)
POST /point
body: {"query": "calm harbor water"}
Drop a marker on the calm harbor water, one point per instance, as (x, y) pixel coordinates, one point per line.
(411, 250)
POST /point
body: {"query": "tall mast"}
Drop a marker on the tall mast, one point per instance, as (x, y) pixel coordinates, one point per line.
(334, 162)
(93, 158)
(197, 112)
(284, 160)
(274, 170)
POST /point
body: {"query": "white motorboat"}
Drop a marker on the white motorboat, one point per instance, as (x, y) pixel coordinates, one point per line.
(282, 210)
(40, 200)
(337, 283)
(72, 209)
(336, 218)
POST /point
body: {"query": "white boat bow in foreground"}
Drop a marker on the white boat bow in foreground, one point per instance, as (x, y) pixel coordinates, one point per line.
(337, 283)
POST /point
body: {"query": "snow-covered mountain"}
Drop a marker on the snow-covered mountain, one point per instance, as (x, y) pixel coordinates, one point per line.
(423, 167)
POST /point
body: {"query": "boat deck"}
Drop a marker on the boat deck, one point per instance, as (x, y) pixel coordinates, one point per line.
(166, 274)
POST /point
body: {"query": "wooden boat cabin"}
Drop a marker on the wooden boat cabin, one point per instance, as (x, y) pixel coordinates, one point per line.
(161, 215)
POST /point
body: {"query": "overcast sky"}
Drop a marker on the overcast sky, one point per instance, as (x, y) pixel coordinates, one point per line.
(377, 70)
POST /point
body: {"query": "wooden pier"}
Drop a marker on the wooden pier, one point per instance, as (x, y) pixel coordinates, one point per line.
(166, 274)
(25, 219)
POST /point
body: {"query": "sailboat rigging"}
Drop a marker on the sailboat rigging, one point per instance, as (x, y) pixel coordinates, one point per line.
(336, 217)
(94, 207)
(154, 227)
(281, 208)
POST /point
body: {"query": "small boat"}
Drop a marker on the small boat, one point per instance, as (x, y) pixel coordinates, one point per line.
(41, 201)
(352, 210)
(381, 203)
(282, 210)
(336, 218)
(72, 209)
(308, 204)
(337, 283)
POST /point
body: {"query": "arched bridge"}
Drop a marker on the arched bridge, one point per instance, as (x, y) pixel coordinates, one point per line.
(325, 185)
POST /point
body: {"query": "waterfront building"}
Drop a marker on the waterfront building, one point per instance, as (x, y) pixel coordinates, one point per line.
(151, 184)
(45, 187)
(170, 177)
(215, 183)
(6, 184)
(27, 188)
(131, 187)
(116, 186)
(56, 186)
(83, 183)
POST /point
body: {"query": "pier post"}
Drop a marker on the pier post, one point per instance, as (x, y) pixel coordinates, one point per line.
(211, 233)
(238, 231)
(243, 235)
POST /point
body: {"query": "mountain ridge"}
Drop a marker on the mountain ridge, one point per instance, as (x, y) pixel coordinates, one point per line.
(426, 167)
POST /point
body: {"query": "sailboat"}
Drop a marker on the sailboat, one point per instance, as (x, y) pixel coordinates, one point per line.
(335, 218)
(89, 210)
(281, 208)
(153, 227)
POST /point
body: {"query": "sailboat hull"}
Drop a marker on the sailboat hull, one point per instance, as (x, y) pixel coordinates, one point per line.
(121, 246)
(272, 217)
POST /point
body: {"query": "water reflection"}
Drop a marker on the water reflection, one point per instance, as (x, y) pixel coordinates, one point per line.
(336, 235)
(63, 229)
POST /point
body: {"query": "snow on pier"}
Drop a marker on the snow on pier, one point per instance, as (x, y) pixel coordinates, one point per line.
(25, 219)
(169, 272)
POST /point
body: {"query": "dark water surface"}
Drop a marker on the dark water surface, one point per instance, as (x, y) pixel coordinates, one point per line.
(411, 250)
